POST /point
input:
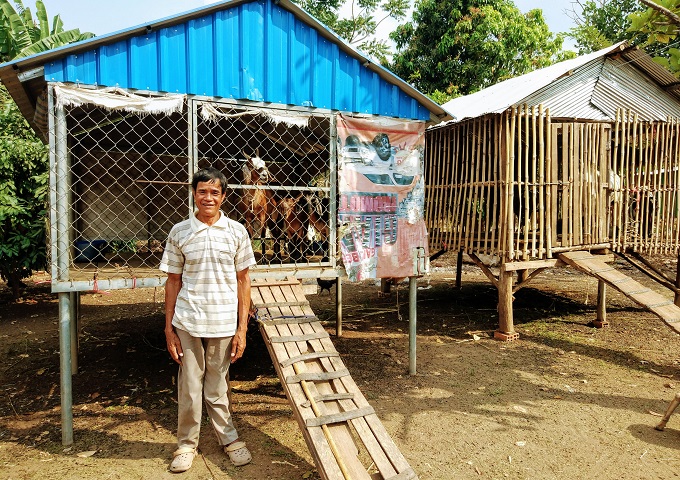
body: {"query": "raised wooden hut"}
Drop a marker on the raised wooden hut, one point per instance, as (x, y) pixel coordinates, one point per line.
(581, 156)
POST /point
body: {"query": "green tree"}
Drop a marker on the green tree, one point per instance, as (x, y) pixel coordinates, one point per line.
(456, 47)
(360, 27)
(602, 23)
(23, 191)
(23, 157)
(22, 36)
(660, 24)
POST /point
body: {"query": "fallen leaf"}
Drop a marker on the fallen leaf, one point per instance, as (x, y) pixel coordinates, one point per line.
(40, 372)
(520, 409)
(476, 337)
(521, 443)
(652, 412)
(94, 395)
(89, 453)
(669, 385)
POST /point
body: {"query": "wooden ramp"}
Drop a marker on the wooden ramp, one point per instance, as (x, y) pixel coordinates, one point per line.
(657, 303)
(343, 433)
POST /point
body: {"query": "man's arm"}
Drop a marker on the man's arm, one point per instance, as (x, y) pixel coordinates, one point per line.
(238, 344)
(172, 287)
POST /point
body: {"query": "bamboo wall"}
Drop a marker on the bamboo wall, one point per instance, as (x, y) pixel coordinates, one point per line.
(520, 186)
(646, 158)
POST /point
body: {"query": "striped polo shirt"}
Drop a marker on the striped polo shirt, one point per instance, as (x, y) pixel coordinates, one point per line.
(208, 258)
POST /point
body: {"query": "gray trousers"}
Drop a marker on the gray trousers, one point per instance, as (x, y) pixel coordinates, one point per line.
(203, 375)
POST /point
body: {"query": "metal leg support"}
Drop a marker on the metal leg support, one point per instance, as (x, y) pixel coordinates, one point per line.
(338, 307)
(65, 364)
(412, 297)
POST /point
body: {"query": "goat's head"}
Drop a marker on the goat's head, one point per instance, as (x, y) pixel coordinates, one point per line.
(256, 167)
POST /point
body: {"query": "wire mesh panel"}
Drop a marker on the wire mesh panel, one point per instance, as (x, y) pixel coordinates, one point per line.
(277, 164)
(120, 181)
(126, 185)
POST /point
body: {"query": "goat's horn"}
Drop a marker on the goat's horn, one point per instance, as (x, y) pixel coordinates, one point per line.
(245, 155)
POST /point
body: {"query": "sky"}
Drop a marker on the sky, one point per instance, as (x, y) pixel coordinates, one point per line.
(106, 16)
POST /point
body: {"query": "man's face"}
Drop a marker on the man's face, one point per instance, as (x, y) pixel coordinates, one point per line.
(208, 197)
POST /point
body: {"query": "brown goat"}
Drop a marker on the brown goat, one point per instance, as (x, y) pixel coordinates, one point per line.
(257, 204)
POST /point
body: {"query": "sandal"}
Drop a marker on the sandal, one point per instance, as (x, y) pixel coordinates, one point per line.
(238, 453)
(182, 459)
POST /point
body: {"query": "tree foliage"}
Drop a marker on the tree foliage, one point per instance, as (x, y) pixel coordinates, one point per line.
(660, 24)
(21, 35)
(23, 192)
(23, 157)
(456, 47)
(602, 23)
(360, 27)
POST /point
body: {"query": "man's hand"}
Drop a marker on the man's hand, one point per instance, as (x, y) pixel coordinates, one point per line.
(174, 346)
(238, 345)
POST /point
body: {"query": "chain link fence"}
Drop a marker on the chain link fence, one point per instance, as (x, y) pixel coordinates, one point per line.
(120, 181)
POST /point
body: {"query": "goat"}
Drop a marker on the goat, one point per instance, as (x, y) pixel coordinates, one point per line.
(318, 211)
(293, 219)
(257, 204)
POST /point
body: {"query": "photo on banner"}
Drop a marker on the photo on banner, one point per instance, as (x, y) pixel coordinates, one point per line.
(381, 193)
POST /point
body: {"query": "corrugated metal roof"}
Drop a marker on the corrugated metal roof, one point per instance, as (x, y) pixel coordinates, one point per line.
(570, 96)
(622, 85)
(499, 97)
(259, 50)
(591, 87)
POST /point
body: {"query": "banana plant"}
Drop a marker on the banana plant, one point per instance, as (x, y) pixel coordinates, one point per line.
(21, 35)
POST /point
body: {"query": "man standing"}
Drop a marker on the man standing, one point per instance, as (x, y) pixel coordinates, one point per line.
(207, 301)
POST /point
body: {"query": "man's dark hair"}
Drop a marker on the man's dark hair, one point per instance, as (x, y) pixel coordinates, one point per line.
(209, 175)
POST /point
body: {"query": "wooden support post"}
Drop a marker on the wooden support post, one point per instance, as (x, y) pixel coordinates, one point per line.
(385, 286)
(677, 282)
(338, 308)
(601, 320)
(459, 270)
(506, 329)
(522, 275)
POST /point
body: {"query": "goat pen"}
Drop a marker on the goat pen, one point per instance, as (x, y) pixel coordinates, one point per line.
(524, 187)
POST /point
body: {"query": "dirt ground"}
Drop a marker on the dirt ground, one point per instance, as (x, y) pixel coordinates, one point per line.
(565, 401)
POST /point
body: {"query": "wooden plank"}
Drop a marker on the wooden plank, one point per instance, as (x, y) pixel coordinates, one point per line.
(655, 302)
(342, 436)
(340, 416)
(298, 338)
(376, 440)
(306, 356)
(324, 459)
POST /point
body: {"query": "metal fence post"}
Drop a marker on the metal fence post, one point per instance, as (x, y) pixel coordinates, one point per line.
(412, 297)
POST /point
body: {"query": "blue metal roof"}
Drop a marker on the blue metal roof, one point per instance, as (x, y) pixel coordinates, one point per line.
(259, 50)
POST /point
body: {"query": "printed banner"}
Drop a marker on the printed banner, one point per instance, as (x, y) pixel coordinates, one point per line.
(381, 196)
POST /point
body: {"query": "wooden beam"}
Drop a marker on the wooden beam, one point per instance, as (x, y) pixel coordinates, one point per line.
(524, 282)
(484, 269)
